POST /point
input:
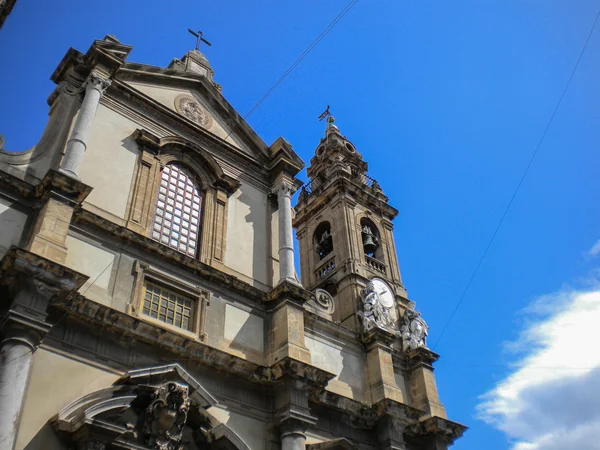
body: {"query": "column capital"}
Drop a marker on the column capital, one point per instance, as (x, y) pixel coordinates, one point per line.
(283, 187)
(97, 81)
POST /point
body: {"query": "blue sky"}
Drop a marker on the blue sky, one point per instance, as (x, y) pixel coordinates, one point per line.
(446, 101)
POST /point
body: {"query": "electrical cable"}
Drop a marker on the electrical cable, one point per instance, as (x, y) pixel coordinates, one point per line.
(519, 184)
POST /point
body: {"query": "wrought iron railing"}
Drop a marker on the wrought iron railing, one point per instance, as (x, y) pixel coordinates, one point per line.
(358, 176)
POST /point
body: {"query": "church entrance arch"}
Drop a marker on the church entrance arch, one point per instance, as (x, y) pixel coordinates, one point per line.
(162, 408)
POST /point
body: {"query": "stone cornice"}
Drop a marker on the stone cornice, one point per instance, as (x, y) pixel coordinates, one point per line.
(288, 368)
(283, 160)
(205, 271)
(287, 291)
(53, 181)
(67, 186)
(421, 357)
(312, 205)
(366, 416)
(18, 263)
(445, 429)
(124, 326)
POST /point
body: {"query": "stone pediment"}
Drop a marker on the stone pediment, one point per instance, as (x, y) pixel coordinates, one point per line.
(195, 99)
(160, 407)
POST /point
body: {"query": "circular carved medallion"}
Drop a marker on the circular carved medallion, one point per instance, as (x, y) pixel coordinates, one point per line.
(187, 106)
(323, 300)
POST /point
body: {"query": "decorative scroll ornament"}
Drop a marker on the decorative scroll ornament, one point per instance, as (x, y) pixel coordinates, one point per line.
(322, 301)
(375, 314)
(413, 330)
(166, 416)
(188, 106)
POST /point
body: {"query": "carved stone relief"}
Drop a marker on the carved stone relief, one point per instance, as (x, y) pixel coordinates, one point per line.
(322, 301)
(166, 416)
(187, 106)
(413, 330)
(375, 312)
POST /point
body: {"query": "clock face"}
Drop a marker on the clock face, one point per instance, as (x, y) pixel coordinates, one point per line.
(385, 294)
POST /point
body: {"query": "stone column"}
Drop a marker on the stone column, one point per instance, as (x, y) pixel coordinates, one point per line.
(95, 86)
(28, 283)
(16, 352)
(293, 436)
(284, 190)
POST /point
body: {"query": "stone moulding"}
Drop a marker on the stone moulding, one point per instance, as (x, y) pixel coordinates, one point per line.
(124, 326)
(207, 272)
(366, 416)
(21, 263)
(146, 408)
(71, 188)
(449, 431)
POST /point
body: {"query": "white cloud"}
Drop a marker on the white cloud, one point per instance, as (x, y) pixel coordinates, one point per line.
(595, 250)
(551, 399)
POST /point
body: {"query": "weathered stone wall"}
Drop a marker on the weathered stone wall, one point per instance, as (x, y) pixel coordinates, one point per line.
(55, 381)
(109, 163)
(344, 359)
(13, 220)
(249, 235)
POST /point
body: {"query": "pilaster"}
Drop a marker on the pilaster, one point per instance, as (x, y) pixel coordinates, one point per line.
(380, 368)
(423, 388)
(59, 196)
(293, 382)
(286, 335)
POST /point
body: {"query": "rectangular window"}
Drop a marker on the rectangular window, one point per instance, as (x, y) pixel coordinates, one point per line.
(168, 306)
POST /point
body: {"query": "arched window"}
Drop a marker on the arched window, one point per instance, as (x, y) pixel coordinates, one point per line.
(178, 210)
(323, 240)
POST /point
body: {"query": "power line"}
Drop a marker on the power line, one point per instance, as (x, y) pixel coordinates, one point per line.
(520, 183)
(303, 55)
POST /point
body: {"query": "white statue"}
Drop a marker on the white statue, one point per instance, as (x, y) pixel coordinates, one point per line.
(413, 330)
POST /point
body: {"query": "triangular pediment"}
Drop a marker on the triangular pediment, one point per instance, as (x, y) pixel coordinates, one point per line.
(196, 101)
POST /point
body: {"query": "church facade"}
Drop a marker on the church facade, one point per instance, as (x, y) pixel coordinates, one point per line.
(148, 297)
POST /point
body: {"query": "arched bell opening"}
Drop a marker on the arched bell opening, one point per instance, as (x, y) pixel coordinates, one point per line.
(323, 240)
(371, 239)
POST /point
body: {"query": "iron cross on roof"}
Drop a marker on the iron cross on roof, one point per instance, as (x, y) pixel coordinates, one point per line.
(199, 38)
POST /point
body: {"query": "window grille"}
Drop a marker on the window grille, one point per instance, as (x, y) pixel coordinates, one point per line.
(177, 218)
(168, 306)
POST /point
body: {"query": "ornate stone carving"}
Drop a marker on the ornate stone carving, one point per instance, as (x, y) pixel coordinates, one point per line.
(166, 416)
(374, 313)
(283, 188)
(413, 330)
(97, 81)
(323, 301)
(188, 106)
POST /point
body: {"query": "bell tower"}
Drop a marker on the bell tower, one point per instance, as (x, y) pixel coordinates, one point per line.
(344, 229)
(348, 261)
